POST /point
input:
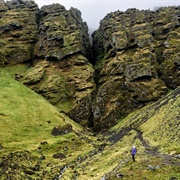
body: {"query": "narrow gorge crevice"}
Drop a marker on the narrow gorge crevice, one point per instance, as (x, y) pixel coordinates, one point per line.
(133, 58)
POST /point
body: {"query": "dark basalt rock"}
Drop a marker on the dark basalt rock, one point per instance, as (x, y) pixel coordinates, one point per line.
(65, 129)
(59, 156)
(135, 58)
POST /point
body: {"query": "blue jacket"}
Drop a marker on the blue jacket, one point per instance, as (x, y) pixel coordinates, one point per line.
(133, 150)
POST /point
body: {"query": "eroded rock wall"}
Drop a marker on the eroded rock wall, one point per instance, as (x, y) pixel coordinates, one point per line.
(53, 44)
(18, 31)
(61, 33)
(137, 60)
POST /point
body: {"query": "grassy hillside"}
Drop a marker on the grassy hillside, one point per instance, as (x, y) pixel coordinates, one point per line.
(154, 130)
(158, 124)
(28, 150)
(26, 123)
(26, 118)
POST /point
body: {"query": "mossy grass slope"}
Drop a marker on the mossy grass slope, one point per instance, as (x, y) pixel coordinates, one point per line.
(158, 123)
(154, 131)
(26, 118)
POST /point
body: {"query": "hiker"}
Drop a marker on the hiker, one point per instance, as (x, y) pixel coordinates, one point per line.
(133, 152)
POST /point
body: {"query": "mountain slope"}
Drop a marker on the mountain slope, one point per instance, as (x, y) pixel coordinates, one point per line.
(154, 130)
(26, 117)
(28, 150)
(158, 123)
(26, 139)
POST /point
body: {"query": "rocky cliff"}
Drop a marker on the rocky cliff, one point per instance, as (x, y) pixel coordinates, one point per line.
(135, 60)
(18, 31)
(53, 45)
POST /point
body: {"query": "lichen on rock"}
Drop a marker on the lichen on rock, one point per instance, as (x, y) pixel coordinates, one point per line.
(135, 60)
(139, 51)
(18, 31)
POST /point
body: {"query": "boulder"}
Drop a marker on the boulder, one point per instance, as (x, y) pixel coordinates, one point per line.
(59, 156)
(60, 130)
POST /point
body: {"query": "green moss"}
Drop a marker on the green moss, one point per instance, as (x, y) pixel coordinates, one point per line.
(24, 116)
(100, 63)
(12, 70)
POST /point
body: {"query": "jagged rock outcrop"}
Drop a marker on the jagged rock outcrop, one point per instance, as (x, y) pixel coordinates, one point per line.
(137, 60)
(62, 33)
(18, 31)
(54, 44)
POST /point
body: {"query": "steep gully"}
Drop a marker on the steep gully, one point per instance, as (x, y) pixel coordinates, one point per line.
(125, 75)
(150, 151)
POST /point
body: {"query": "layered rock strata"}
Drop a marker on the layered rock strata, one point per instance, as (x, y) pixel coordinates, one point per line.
(136, 58)
(18, 31)
(53, 45)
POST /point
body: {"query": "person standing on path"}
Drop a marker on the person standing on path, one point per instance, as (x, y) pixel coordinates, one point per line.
(133, 152)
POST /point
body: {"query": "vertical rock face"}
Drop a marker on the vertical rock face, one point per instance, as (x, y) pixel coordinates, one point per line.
(137, 60)
(59, 69)
(62, 33)
(18, 31)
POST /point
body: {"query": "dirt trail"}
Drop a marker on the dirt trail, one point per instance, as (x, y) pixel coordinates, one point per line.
(152, 151)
